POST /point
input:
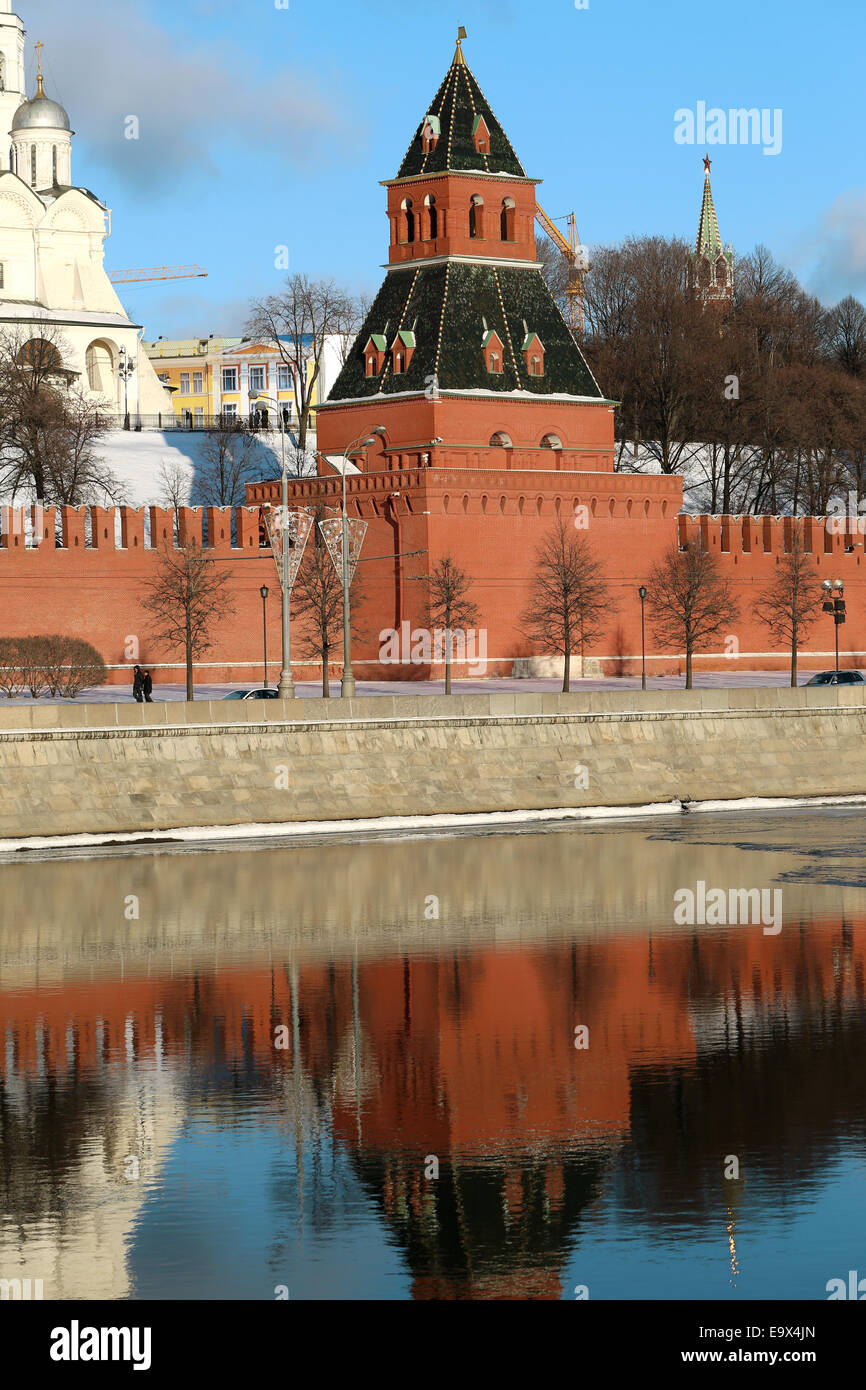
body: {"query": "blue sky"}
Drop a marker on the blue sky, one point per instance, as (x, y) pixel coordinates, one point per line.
(263, 126)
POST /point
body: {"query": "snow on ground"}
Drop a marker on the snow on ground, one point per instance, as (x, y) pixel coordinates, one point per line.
(138, 459)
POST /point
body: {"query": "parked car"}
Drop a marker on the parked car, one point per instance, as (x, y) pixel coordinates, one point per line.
(260, 694)
(843, 678)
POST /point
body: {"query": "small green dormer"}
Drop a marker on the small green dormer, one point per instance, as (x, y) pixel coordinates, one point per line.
(374, 354)
(533, 354)
(481, 135)
(401, 350)
(430, 132)
(493, 349)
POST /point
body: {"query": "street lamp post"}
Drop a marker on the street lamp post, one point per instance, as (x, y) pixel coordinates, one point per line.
(264, 593)
(286, 688)
(642, 592)
(836, 606)
(347, 685)
(125, 369)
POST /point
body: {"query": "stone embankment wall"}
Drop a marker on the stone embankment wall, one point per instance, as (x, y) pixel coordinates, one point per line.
(113, 768)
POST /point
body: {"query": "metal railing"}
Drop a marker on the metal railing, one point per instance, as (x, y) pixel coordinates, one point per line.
(167, 421)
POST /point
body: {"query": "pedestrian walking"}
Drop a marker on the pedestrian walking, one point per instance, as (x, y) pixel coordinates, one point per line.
(137, 684)
(147, 687)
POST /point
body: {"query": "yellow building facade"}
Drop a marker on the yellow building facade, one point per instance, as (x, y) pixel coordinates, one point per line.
(213, 376)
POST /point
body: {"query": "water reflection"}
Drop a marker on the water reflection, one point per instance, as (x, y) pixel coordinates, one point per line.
(284, 1073)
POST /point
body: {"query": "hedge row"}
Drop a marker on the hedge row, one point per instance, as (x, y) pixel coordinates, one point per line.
(52, 665)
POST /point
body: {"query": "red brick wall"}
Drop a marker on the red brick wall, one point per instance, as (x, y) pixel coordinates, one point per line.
(453, 194)
(467, 424)
(490, 520)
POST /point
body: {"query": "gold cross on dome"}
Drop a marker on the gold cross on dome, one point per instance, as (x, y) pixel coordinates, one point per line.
(39, 47)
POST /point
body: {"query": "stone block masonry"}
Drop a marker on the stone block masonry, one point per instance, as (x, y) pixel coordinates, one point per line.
(109, 769)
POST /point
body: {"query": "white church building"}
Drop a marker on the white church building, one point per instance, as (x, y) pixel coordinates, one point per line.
(52, 246)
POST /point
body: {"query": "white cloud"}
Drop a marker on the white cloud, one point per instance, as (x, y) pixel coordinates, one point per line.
(836, 253)
(204, 107)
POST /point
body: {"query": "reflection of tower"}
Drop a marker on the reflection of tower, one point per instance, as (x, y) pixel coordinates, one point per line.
(712, 263)
(485, 1228)
(732, 1244)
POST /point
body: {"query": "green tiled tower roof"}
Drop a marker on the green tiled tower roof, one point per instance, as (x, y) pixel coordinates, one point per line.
(452, 308)
(444, 309)
(457, 107)
(709, 242)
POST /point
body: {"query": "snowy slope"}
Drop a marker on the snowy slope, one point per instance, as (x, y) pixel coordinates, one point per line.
(136, 459)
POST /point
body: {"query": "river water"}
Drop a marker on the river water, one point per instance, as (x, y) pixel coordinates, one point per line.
(460, 1067)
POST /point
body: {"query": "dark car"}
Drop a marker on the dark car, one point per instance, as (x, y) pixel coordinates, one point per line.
(843, 678)
(259, 694)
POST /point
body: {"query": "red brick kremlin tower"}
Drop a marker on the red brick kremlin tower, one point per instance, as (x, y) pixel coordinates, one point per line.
(490, 422)
(464, 341)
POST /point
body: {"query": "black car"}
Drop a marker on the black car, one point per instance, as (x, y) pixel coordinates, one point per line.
(843, 678)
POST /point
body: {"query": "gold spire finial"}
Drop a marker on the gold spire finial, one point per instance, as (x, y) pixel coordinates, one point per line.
(459, 60)
(39, 48)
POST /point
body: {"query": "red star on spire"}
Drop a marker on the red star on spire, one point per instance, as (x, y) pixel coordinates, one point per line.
(707, 163)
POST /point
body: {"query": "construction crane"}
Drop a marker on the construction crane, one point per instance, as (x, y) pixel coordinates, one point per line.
(157, 272)
(578, 265)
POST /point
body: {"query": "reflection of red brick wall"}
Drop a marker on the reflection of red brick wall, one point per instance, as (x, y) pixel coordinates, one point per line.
(488, 508)
(448, 1042)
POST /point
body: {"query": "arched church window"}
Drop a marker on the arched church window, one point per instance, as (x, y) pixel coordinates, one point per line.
(100, 368)
(432, 217)
(2, 278)
(408, 220)
(39, 354)
(2, 73)
(506, 229)
(33, 165)
(54, 164)
(476, 217)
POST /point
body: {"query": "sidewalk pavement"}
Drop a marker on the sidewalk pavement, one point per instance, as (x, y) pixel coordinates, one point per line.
(710, 680)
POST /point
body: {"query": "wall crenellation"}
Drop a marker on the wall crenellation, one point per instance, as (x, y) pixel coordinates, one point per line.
(770, 535)
(36, 528)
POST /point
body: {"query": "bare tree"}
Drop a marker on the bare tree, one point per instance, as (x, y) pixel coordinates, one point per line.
(568, 603)
(317, 599)
(174, 486)
(227, 453)
(297, 321)
(348, 321)
(49, 428)
(847, 328)
(690, 600)
(76, 471)
(790, 604)
(184, 600)
(449, 605)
